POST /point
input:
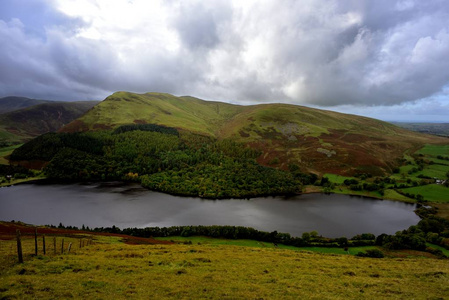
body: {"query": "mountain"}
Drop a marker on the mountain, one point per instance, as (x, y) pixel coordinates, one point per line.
(315, 140)
(12, 103)
(441, 129)
(23, 124)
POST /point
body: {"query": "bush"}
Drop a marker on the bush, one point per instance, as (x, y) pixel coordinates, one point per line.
(20, 176)
(374, 253)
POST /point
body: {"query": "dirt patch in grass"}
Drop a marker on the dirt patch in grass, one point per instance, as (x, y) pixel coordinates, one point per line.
(101, 126)
(443, 210)
(31, 164)
(8, 232)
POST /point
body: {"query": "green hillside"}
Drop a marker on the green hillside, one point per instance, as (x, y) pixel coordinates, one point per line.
(315, 140)
(181, 112)
(187, 146)
(23, 124)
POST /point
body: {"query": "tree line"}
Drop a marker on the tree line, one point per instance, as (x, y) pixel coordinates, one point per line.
(430, 229)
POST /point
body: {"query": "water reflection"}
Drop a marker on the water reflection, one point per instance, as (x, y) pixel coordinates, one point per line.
(129, 205)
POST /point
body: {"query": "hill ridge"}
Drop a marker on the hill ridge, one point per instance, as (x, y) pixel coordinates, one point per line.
(316, 140)
(23, 124)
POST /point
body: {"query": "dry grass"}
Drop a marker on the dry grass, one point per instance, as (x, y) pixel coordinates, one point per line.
(109, 269)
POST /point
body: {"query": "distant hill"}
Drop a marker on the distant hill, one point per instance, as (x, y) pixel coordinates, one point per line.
(315, 140)
(12, 103)
(440, 129)
(23, 124)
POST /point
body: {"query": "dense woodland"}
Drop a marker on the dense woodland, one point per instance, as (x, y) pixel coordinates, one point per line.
(161, 159)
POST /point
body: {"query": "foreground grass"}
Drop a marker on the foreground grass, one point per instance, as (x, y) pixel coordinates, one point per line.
(17, 181)
(113, 270)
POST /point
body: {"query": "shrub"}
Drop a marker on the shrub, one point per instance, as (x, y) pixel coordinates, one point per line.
(374, 253)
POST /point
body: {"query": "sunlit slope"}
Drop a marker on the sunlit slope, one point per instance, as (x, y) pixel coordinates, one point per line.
(187, 113)
(315, 140)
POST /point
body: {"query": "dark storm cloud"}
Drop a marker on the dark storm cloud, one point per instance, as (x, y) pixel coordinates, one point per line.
(198, 23)
(327, 53)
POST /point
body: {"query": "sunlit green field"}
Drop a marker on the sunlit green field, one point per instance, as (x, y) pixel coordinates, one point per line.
(432, 192)
(434, 150)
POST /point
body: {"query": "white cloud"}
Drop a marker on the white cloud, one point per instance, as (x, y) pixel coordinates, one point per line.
(326, 53)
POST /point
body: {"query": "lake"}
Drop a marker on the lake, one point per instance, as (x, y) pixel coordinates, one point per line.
(130, 205)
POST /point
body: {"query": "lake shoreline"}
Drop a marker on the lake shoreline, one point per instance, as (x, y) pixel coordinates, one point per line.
(125, 204)
(309, 190)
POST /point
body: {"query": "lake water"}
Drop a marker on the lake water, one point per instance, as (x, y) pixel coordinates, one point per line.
(129, 205)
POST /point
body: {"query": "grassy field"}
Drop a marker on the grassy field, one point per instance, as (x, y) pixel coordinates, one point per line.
(338, 179)
(432, 192)
(434, 150)
(111, 269)
(251, 243)
(5, 152)
(393, 195)
(17, 181)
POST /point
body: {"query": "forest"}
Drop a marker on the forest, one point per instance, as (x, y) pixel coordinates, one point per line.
(161, 159)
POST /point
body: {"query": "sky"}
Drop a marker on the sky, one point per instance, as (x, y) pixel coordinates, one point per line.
(387, 59)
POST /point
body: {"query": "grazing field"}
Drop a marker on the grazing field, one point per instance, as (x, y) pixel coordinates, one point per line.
(434, 150)
(251, 243)
(432, 192)
(109, 268)
(338, 179)
(5, 152)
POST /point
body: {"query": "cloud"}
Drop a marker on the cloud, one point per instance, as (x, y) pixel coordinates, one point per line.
(323, 53)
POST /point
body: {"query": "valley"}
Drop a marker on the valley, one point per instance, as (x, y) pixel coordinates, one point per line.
(22, 119)
(188, 146)
(210, 150)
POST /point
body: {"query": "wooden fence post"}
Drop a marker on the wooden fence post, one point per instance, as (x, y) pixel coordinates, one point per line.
(70, 246)
(54, 244)
(43, 244)
(80, 243)
(19, 247)
(62, 246)
(35, 241)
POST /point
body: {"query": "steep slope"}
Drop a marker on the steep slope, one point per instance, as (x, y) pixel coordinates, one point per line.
(322, 141)
(12, 103)
(315, 140)
(23, 124)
